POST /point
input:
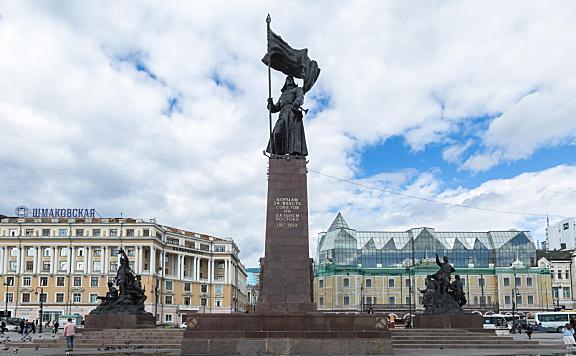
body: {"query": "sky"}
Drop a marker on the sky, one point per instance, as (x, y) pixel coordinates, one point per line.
(155, 109)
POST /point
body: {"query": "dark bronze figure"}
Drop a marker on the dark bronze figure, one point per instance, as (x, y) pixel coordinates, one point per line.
(441, 296)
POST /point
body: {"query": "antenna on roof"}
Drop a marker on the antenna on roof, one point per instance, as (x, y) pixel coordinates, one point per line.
(121, 213)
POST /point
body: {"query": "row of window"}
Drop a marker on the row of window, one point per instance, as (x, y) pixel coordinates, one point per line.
(63, 266)
(80, 251)
(79, 232)
(408, 283)
(561, 274)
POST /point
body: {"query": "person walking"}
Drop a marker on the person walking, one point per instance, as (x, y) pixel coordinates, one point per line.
(69, 333)
(568, 336)
(56, 326)
(3, 326)
(22, 324)
(33, 327)
(25, 331)
(529, 331)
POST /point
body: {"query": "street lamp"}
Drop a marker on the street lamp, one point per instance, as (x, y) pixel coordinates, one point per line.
(515, 294)
(204, 295)
(41, 305)
(6, 297)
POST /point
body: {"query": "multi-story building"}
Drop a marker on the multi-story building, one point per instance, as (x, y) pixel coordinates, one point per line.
(253, 286)
(359, 269)
(561, 236)
(67, 263)
(561, 265)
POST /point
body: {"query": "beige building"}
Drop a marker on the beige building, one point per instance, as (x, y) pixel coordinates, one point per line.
(67, 263)
(561, 265)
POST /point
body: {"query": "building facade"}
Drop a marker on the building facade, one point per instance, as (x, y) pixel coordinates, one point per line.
(562, 266)
(561, 236)
(66, 264)
(357, 269)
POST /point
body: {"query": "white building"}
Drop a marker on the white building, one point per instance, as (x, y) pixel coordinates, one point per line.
(561, 236)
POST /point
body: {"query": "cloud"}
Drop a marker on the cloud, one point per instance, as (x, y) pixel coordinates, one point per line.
(453, 154)
(160, 111)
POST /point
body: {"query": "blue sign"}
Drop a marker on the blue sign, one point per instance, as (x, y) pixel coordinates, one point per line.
(24, 212)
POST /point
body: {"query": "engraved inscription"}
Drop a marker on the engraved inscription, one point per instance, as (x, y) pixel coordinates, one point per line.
(287, 212)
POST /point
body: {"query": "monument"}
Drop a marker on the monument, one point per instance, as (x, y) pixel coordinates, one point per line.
(443, 301)
(286, 321)
(122, 307)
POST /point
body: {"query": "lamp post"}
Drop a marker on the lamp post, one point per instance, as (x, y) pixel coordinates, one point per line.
(515, 293)
(41, 306)
(204, 303)
(6, 297)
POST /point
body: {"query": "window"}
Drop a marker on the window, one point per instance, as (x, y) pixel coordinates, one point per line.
(219, 248)
(346, 300)
(130, 232)
(46, 232)
(60, 281)
(346, 282)
(168, 299)
(205, 247)
(42, 297)
(408, 300)
(566, 292)
(204, 288)
(530, 299)
(130, 251)
(559, 274)
(463, 280)
(518, 299)
(79, 266)
(567, 274)
(12, 232)
(507, 299)
(93, 298)
(321, 283)
(77, 281)
(113, 232)
(80, 252)
(76, 297)
(27, 281)
(63, 266)
(9, 281)
(186, 287)
(96, 232)
(79, 232)
(94, 281)
(62, 232)
(506, 281)
(321, 300)
(562, 245)
(186, 300)
(14, 252)
(113, 266)
(97, 252)
(518, 281)
(217, 302)
(146, 232)
(219, 289)
(25, 297)
(391, 283)
(9, 297)
(529, 281)
(63, 251)
(29, 232)
(13, 266)
(59, 297)
(407, 283)
(203, 301)
(168, 318)
(30, 252)
(391, 300)
(481, 282)
(369, 283)
(47, 252)
(168, 285)
(43, 281)
(29, 266)
(96, 266)
(113, 251)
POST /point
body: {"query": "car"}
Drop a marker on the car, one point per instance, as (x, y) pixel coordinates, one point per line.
(11, 327)
(184, 325)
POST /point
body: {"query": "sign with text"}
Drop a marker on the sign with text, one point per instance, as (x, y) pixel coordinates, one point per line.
(287, 211)
(25, 212)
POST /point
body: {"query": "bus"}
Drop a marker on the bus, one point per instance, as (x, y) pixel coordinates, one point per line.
(494, 321)
(554, 321)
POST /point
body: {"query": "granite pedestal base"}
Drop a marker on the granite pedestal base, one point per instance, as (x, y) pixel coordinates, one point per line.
(286, 334)
(119, 321)
(448, 321)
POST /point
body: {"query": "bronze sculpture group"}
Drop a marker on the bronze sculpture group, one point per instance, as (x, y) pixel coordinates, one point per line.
(442, 296)
(129, 297)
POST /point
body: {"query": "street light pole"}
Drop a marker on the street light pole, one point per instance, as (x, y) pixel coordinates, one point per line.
(6, 297)
(41, 306)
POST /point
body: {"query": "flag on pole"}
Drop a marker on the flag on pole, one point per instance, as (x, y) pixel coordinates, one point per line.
(290, 61)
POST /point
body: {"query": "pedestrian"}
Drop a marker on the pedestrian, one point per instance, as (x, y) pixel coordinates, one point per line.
(22, 323)
(3, 326)
(56, 326)
(568, 336)
(33, 327)
(69, 333)
(529, 331)
(25, 331)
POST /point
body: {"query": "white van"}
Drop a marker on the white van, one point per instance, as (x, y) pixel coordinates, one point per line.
(554, 321)
(495, 321)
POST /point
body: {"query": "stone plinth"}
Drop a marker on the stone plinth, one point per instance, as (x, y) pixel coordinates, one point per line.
(448, 321)
(119, 321)
(286, 334)
(286, 270)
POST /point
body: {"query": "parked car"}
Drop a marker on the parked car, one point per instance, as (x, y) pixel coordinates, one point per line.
(184, 325)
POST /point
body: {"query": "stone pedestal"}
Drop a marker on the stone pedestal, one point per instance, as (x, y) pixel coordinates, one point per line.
(119, 321)
(286, 267)
(448, 321)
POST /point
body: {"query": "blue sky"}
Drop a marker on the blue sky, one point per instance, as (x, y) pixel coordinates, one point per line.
(160, 111)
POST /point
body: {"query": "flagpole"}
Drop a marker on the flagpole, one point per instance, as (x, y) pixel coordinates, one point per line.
(272, 146)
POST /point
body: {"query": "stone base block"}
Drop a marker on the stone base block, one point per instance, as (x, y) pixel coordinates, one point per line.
(448, 321)
(119, 321)
(286, 334)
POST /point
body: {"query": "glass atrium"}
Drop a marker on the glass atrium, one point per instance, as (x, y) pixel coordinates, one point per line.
(344, 246)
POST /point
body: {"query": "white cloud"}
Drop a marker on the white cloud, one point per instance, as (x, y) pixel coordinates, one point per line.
(79, 127)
